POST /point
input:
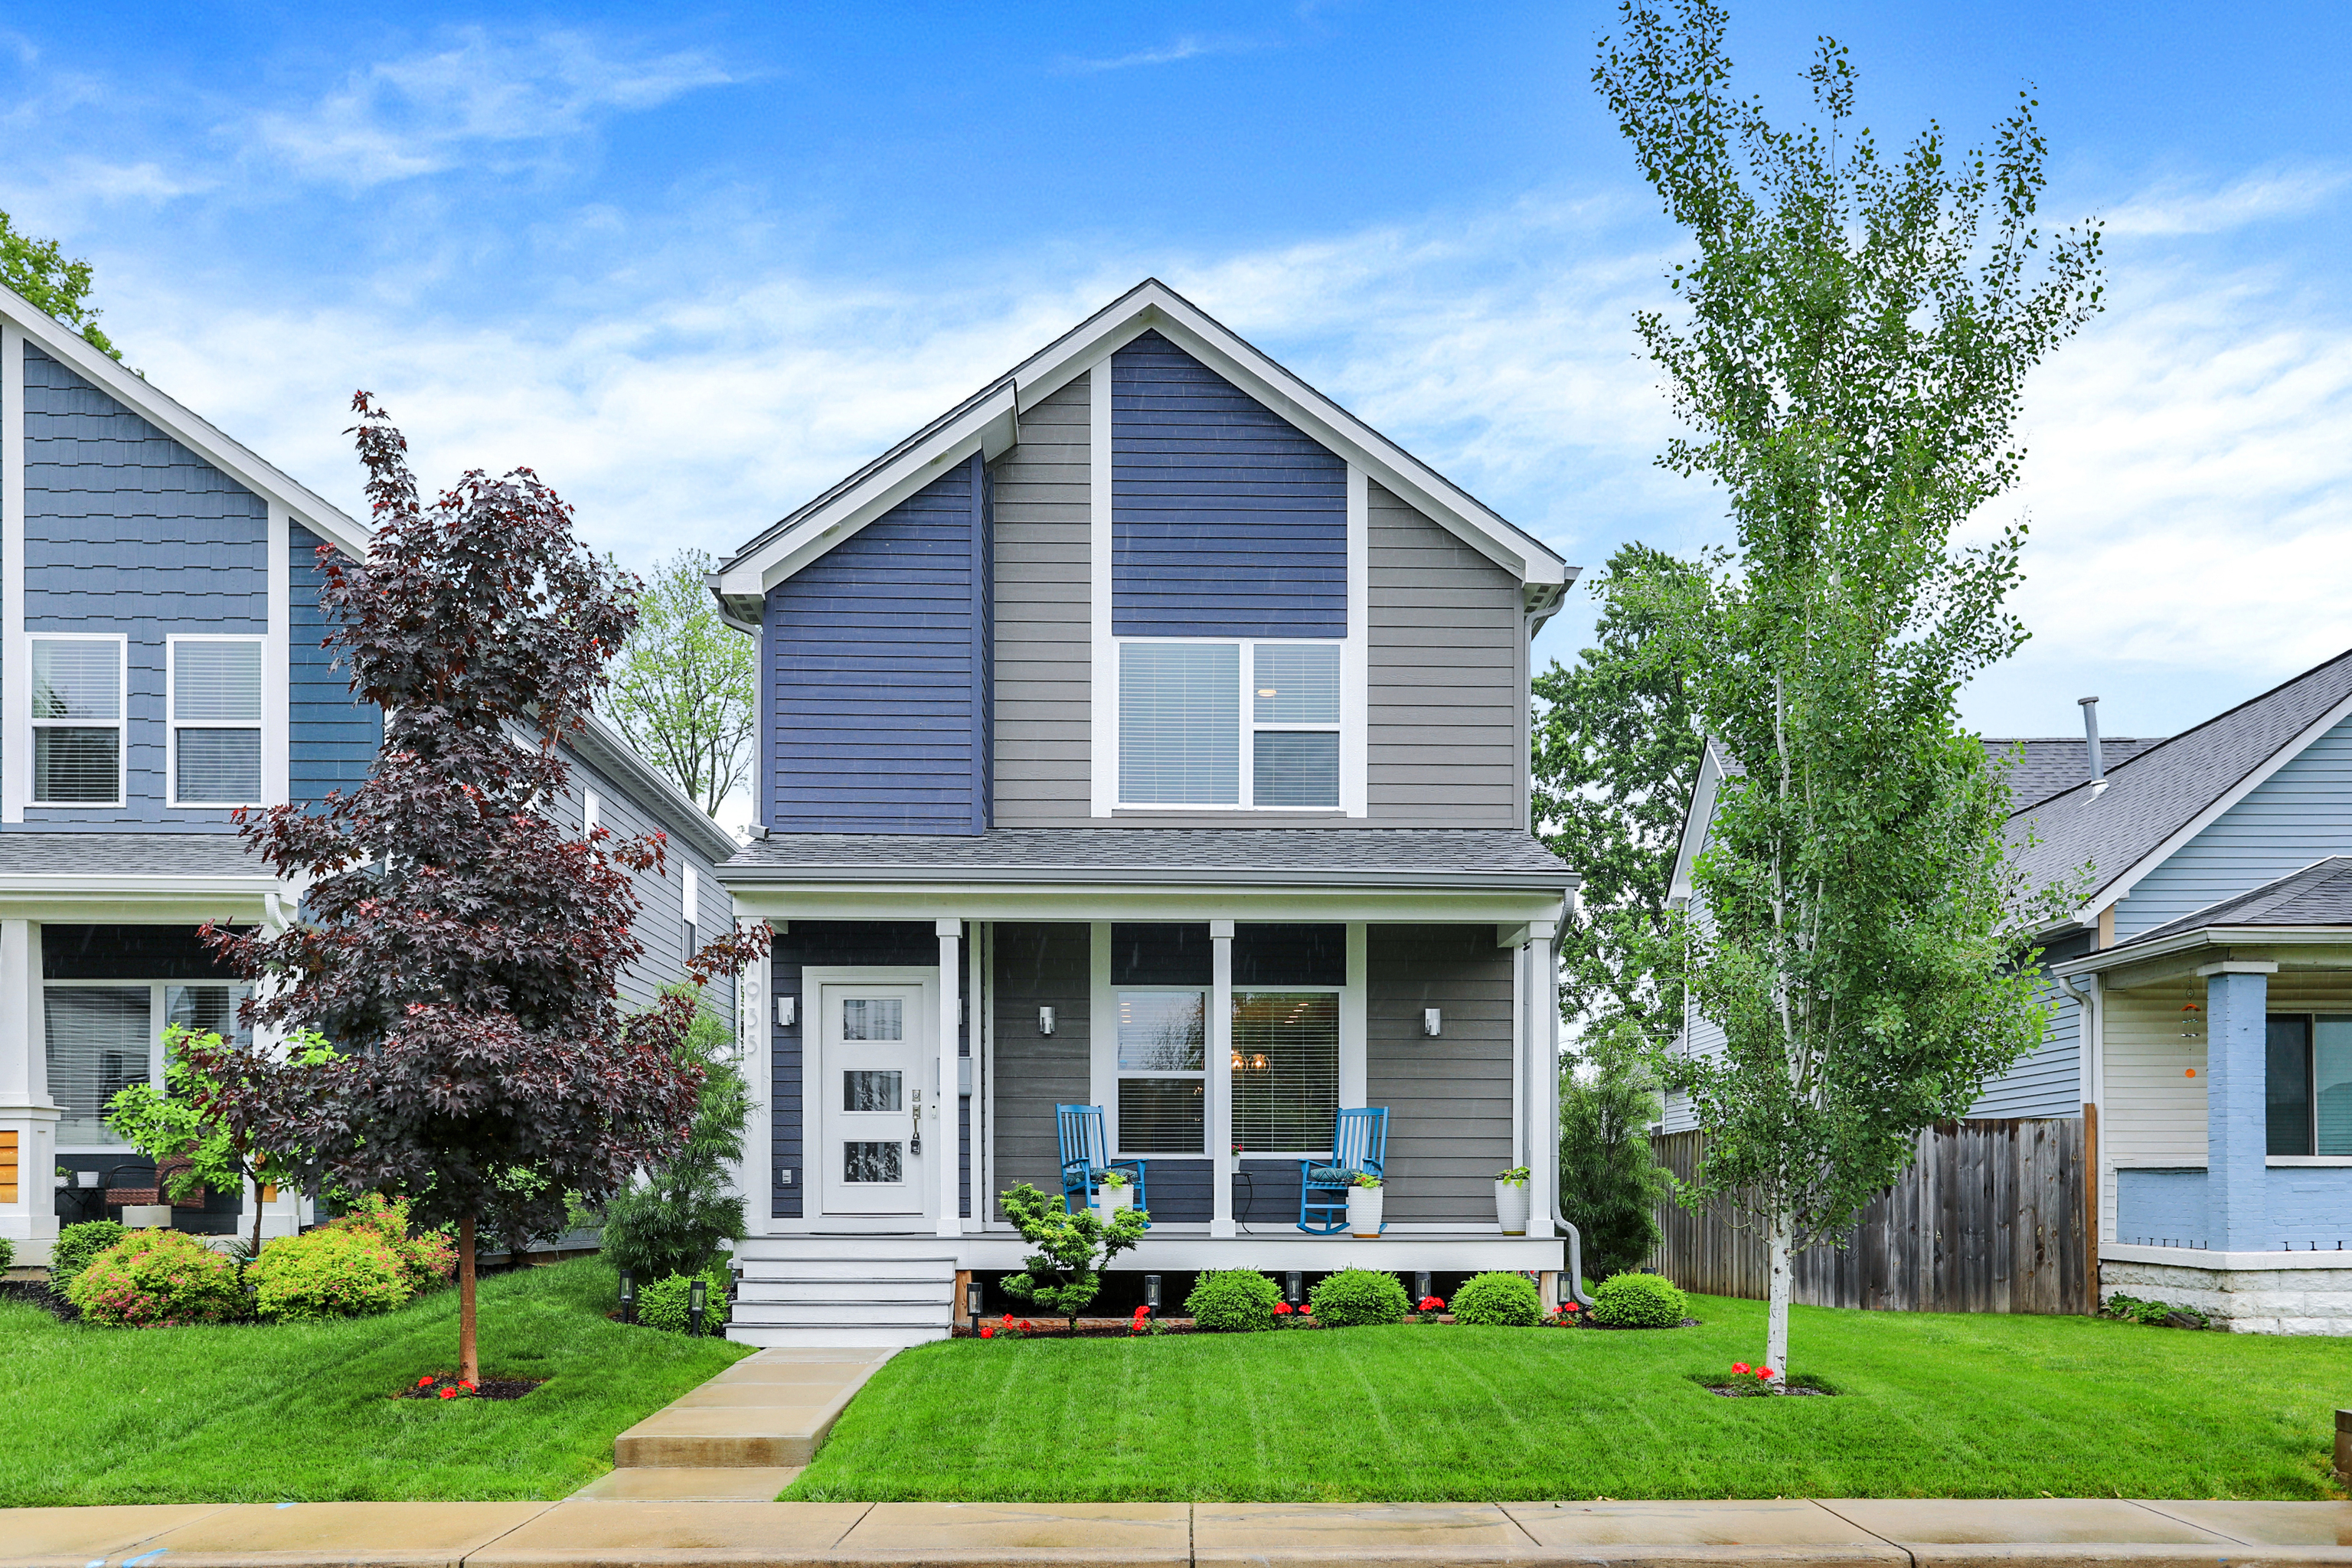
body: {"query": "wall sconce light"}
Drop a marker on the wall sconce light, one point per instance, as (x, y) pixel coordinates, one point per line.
(787, 1009)
(1429, 1020)
(972, 1305)
(1045, 1020)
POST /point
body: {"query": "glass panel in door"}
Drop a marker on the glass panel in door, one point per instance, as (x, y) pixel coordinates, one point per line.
(872, 1065)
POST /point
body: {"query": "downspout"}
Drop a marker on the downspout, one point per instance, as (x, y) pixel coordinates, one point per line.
(1573, 1282)
(2086, 991)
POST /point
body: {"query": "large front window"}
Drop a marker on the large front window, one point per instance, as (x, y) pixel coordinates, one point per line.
(1251, 725)
(1286, 1062)
(102, 1037)
(2309, 1087)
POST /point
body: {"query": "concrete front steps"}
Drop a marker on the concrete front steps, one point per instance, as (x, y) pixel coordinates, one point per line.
(843, 1291)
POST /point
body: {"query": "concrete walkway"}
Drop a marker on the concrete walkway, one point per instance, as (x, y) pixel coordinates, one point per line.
(602, 1532)
(744, 1435)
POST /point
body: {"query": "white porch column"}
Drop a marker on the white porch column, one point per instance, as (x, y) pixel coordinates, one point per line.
(1543, 1046)
(1221, 1077)
(943, 1103)
(27, 1216)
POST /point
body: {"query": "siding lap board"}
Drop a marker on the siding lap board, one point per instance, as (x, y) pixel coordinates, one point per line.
(1449, 1099)
(1041, 526)
(1038, 965)
(334, 736)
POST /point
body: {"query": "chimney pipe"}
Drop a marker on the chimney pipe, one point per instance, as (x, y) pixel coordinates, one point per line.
(2090, 706)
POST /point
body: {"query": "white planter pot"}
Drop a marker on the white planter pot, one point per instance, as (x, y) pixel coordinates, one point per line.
(1364, 1211)
(61, 1182)
(1511, 1207)
(147, 1217)
(88, 1178)
(1109, 1200)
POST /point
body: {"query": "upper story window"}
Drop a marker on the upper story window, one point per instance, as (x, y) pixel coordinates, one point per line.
(214, 707)
(77, 700)
(1251, 725)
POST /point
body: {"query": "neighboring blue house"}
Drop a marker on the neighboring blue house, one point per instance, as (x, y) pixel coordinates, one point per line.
(2201, 997)
(1145, 732)
(159, 665)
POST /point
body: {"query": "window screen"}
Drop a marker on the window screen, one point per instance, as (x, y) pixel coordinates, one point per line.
(98, 1043)
(1286, 1069)
(1296, 768)
(1179, 723)
(77, 721)
(1163, 1080)
(216, 722)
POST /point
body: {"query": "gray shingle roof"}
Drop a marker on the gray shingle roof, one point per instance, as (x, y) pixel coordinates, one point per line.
(2046, 767)
(128, 854)
(2162, 788)
(1484, 858)
(2318, 894)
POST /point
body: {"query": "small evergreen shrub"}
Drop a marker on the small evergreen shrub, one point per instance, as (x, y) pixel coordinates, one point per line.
(1354, 1297)
(1639, 1301)
(77, 1245)
(1232, 1301)
(158, 1278)
(1497, 1299)
(667, 1303)
(426, 1258)
(328, 1273)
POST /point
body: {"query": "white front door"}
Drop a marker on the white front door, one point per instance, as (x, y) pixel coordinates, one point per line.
(873, 1093)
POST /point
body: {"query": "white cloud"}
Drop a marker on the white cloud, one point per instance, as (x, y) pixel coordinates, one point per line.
(481, 93)
(1191, 45)
(2256, 198)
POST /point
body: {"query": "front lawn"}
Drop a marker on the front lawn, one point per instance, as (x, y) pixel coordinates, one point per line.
(1930, 1405)
(250, 1414)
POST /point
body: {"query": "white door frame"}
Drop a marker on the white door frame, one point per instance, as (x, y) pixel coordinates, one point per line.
(817, 1097)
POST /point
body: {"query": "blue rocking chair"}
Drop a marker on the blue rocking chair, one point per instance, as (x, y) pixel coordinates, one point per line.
(1086, 1156)
(1359, 1141)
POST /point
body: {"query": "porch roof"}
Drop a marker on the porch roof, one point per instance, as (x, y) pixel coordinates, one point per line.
(130, 855)
(2309, 912)
(1490, 858)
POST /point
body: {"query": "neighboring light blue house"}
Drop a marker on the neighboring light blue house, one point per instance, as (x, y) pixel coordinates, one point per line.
(159, 665)
(2201, 998)
(1144, 733)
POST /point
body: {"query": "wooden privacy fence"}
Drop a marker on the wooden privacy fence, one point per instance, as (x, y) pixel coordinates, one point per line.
(1989, 1219)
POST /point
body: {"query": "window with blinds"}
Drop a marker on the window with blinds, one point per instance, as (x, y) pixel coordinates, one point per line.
(99, 1041)
(216, 719)
(1162, 1072)
(78, 721)
(1189, 735)
(1285, 1066)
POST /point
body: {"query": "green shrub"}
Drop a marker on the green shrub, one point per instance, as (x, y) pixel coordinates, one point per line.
(1354, 1297)
(1232, 1301)
(426, 1258)
(77, 1245)
(7, 1252)
(667, 1304)
(1639, 1301)
(1499, 1300)
(328, 1273)
(158, 1278)
(673, 1219)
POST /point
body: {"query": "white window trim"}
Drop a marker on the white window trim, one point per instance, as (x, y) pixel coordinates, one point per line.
(121, 642)
(173, 724)
(158, 1018)
(1246, 785)
(589, 811)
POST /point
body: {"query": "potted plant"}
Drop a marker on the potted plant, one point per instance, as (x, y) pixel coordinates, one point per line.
(1511, 1200)
(1116, 1192)
(1364, 1206)
(64, 1176)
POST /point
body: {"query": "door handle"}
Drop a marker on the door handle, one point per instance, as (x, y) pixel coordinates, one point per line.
(915, 1145)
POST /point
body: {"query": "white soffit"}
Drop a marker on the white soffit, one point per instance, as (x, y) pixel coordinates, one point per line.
(167, 414)
(989, 424)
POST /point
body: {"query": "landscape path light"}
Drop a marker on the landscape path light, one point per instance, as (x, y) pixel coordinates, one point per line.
(628, 1297)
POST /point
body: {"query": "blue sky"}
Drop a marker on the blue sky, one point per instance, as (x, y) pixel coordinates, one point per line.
(693, 264)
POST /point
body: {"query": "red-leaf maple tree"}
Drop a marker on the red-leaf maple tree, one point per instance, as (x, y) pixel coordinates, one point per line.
(459, 949)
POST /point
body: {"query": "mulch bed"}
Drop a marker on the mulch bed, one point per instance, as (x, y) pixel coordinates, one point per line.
(1794, 1390)
(37, 1293)
(1587, 1322)
(489, 1388)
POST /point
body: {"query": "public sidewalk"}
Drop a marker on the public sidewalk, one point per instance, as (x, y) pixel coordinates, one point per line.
(596, 1532)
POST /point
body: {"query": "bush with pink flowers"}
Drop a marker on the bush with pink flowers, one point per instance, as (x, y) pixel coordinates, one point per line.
(158, 1278)
(426, 1258)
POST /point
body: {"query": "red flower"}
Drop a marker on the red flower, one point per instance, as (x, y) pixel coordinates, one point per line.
(1306, 1309)
(469, 1385)
(1739, 1366)
(1282, 1309)
(1432, 1304)
(1027, 1327)
(424, 1381)
(1008, 1316)
(989, 1332)
(1764, 1372)
(449, 1393)
(1571, 1306)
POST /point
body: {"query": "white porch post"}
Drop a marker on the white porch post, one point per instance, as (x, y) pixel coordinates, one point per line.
(31, 1220)
(1543, 1043)
(943, 1103)
(1221, 1077)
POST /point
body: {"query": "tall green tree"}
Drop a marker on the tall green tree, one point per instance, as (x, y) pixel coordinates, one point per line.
(1849, 346)
(686, 686)
(1617, 747)
(38, 269)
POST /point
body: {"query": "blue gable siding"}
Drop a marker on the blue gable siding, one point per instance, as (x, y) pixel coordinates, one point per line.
(1226, 521)
(876, 709)
(127, 531)
(333, 736)
(2300, 813)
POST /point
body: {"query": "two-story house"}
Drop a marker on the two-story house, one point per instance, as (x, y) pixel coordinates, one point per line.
(160, 666)
(2200, 998)
(1145, 732)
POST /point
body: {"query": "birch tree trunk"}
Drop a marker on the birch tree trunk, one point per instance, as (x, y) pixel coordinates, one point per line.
(1776, 1314)
(470, 1361)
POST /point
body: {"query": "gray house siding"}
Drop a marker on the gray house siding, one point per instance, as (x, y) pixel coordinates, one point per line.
(2048, 1079)
(1038, 965)
(1449, 1099)
(875, 702)
(2300, 813)
(661, 896)
(333, 736)
(1227, 519)
(1447, 689)
(128, 532)
(1044, 592)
